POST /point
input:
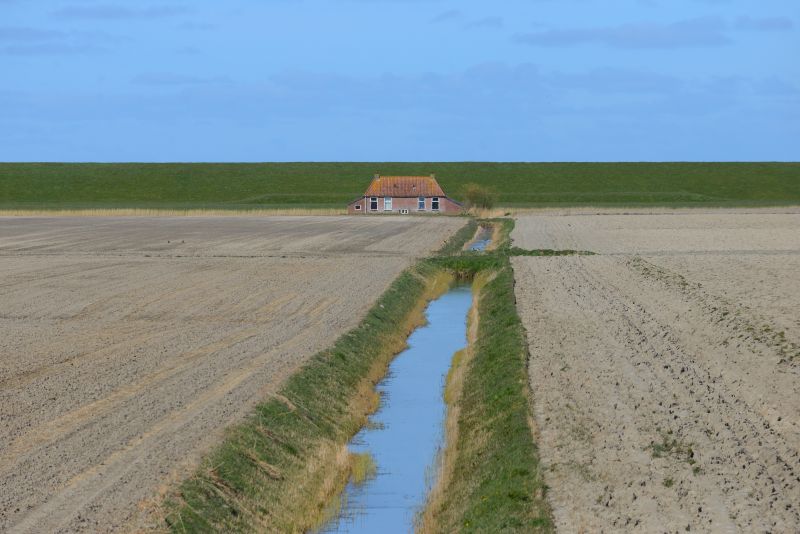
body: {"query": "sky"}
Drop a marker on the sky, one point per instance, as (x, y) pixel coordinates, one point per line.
(400, 80)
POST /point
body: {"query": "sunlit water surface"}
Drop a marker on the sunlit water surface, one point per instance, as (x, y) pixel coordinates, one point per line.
(406, 433)
(482, 240)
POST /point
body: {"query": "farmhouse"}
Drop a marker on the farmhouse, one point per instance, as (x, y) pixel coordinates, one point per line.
(404, 194)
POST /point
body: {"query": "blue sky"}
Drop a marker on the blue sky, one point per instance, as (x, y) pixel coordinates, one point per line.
(399, 80)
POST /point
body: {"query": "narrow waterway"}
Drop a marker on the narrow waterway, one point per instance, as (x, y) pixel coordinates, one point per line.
(482, 240)
(406, 433)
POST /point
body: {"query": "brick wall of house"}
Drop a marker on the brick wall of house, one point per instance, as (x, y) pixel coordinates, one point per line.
(362, 206)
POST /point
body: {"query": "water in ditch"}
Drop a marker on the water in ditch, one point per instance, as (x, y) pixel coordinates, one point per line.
(482, 240)
(407, 432)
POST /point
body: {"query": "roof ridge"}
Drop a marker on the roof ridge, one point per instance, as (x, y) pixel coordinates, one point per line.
(397, 185)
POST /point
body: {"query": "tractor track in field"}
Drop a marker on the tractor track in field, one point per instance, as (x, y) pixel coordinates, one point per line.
(664, 387)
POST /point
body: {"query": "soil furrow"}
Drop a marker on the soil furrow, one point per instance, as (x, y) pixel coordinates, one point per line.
(665, 398)
(119, 370)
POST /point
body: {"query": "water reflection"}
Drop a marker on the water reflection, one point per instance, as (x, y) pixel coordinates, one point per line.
(482, 240)
(407, 431)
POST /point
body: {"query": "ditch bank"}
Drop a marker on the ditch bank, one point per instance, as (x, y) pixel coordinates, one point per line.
(403, 438)
(490, 479)
(281, 469)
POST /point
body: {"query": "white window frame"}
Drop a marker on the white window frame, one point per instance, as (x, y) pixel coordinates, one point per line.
(373, 201)
(435, 203)
(358, 207)
(420, 202)
(387, 203)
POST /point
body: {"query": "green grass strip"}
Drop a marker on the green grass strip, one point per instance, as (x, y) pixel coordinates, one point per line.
(274, 471)
(496, 484)
(334, 184)
(516, 251)
(460, 238)
(270, 473)
(258, 478)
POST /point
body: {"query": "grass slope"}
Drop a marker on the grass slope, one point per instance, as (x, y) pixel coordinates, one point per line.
(279, 469)
(493, 481)
(495, 484)
(310, 185)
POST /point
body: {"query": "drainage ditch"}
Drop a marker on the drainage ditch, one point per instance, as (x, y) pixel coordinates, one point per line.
(482, 240)
(406, 434)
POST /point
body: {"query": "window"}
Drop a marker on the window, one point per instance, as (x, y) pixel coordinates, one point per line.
(435, 203)
(421, 203)
(358, 207)
(373, 203)
(387, 204)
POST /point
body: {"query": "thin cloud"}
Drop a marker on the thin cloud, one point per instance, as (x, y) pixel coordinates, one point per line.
(690, 33)
(774, 86)
(51, 49)
(189, 51)
(25, 41)
(18, 33)
(197, 26)
(768, 24)
(487, 22)
(113, 12)
(622, 81)
(171, 78)
(446, 16)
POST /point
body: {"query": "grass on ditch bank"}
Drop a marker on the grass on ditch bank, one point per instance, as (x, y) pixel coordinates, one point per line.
(278, 470)
(516, 251)
(490, 480)
(333, 185)
(460, 238)
(495, 484)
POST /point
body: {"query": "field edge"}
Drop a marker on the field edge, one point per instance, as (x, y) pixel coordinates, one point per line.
(291, 452)
(490, 479)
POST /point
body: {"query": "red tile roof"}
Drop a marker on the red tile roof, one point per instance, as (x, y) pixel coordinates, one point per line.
(404, 186)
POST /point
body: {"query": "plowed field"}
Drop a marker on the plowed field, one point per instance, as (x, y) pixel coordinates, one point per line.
(666, 370)
(127, 344)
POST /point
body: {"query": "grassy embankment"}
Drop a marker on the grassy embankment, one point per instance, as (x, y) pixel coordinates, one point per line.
(278, 470)
(490, 479)
(329, 186)
(281, 468)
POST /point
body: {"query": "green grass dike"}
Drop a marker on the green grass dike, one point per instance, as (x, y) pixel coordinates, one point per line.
(254, 186)
(282, 468)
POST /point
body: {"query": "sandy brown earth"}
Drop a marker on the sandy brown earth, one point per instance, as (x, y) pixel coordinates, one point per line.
(126, 345)
(678, 232)
(666, 372)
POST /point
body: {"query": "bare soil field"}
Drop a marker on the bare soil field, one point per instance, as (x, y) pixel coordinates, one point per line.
(666, 371)
(128, 344)
(731, 231)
